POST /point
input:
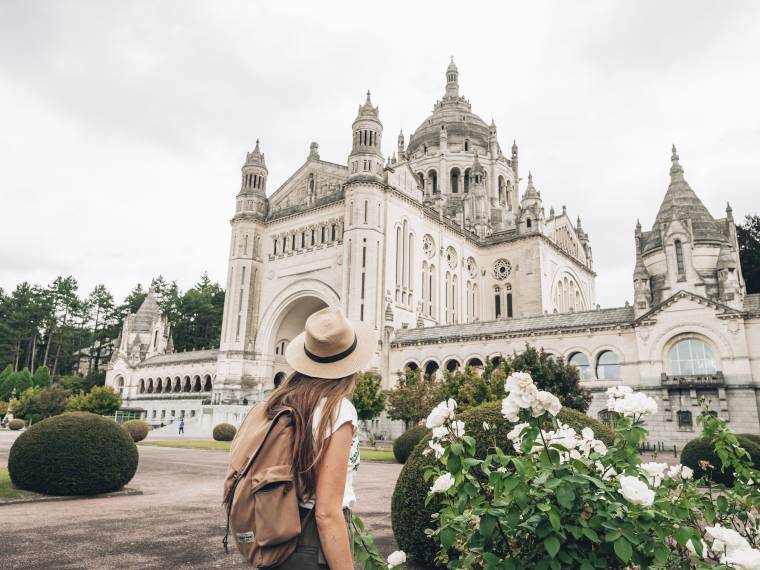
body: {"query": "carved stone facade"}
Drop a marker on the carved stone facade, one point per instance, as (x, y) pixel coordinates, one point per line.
(437, 248)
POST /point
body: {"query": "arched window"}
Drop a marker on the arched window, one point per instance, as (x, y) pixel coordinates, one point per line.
(509, 306)
(334, 230)
(466, 145)
(497, 302)
(454, 180)
(679, 257)
(421, 178)
(431, 368)
(433, 176)
(608, 366)
(528, 223)
(580, 361)
(685, 419)
(691, 356)
(502, 189)
(366, 210)
(142, 386)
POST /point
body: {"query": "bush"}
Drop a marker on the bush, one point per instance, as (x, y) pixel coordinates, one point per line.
(701, 449)
(224, 432)
(407, 441)
(73, 454)
(409, 515)
(138, 429)
(16, 424)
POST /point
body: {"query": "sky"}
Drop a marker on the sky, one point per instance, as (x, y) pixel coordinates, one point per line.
(123, 125)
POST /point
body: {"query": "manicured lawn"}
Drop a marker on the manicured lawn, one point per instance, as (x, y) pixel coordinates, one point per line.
(7, 490)
(189, 443)
(366, 454)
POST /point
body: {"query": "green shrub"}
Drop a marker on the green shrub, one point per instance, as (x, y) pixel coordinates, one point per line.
(138, 429)
(406, 442)
(73, 454)
(701, 449)
(224, 432)
(16, 424)
(409, 515)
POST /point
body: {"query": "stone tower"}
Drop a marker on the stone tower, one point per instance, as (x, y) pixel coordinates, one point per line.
(241, 303)
(689, 250)
(363, 237)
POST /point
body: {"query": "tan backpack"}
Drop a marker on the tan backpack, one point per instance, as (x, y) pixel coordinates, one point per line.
(260, 492)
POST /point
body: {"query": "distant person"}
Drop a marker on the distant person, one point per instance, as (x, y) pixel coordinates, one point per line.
(182, 426)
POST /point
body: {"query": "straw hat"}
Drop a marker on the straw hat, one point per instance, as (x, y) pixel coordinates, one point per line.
(331, 346)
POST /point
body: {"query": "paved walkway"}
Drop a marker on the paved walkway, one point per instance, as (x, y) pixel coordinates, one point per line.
(176, 523)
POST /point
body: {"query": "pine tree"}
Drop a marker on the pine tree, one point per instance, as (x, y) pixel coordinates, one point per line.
(41, 378)
(748, 235)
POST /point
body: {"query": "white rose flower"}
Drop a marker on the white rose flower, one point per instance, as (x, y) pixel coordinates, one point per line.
(520, 386)
(546, 402)
(510, 409)
(680, 472)
(396, 559)
(726, 539)
(440, 432)
(443, 483)
(635, 404)
(742, 559)
(515, 436)
(436, 448)
(441, 413)
(619, 391)
(654, 472)
(457, 427)
(636, 491)
(486, 426)
(587, 433)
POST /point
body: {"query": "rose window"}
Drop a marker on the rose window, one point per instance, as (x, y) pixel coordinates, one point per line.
(472, 267)
(451, 257)
(501, 269)
(428, 247)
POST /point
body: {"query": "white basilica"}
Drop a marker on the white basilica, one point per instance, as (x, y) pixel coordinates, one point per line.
(441, 252)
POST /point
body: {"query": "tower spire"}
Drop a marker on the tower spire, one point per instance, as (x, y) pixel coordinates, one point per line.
(676, 170)
(452, 80)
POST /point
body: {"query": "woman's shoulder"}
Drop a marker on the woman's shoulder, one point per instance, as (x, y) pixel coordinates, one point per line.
(348, 411)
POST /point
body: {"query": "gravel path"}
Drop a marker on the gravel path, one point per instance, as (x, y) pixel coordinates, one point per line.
(176, 523)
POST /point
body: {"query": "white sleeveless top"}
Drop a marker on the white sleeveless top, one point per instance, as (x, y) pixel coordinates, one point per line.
(346, 414)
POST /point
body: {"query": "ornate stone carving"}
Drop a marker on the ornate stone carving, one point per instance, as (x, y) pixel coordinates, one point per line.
(451, 257)
(428, 246)
(472, 267)
(501, 269)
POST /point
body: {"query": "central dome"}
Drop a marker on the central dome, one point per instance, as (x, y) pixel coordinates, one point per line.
(454, 113)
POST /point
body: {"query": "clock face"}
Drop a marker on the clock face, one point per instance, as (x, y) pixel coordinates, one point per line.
(501, 269)
(451, 257)
(428, 246)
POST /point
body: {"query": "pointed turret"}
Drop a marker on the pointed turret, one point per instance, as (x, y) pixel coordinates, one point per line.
(452, 80)
(366, 159)
(254, 172)
(401, 145)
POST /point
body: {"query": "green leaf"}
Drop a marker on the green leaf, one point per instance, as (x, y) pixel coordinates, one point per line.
(447, 537)
(552, 545)
(591, 534)
(554, 520)
(623, 549)
(487, 525)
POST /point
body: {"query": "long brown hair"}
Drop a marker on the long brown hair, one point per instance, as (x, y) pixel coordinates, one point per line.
(303, 394)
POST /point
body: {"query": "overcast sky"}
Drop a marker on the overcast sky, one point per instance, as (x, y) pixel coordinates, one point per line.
(123, 125)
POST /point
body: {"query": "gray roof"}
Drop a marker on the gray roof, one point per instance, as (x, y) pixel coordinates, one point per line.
(148, 312)
(181, 357)
(752, 303)
(508, 327)
(680, 203)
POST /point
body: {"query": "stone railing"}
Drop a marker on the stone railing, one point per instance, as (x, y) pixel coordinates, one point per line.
(693, 380)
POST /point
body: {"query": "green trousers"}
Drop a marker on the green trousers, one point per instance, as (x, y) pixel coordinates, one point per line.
(308, 554)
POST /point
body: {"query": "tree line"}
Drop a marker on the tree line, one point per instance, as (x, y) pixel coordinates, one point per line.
(55, 325)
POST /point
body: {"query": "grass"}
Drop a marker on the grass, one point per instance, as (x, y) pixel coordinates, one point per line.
(7, 490)
(383, 455)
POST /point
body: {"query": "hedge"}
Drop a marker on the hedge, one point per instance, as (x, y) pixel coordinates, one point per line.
(76, 453)
(409, 515)
(407, 441)
(137, 429)
(701, 449)
(224, 432)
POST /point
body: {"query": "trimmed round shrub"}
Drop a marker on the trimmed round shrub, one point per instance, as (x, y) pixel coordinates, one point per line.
(138, 429)
(76, 453)
(224, 432)
(407, 441)
(16, 424)
(701, 449)
(409, 515)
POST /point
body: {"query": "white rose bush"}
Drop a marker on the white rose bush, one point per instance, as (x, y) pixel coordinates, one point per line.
(564, 500)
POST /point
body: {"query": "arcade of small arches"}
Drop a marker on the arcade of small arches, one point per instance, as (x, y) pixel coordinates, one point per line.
(460, 181)
(169, 385)
(687, 355)
(568, 296)
(308, 237)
